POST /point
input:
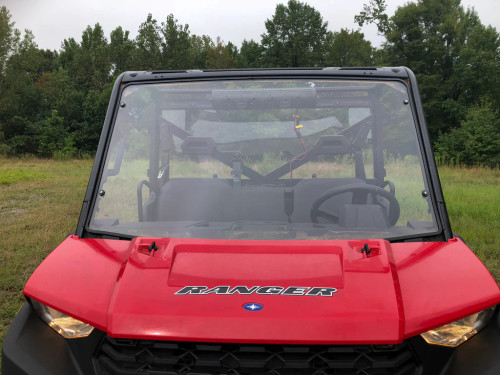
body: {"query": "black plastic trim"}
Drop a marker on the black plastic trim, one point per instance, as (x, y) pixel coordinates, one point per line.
(459, 237)
(140, 357)
(480, 355)
(380, 72)
(31, 347)
(428, 156)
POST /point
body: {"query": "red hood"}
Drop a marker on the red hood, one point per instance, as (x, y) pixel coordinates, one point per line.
(348, 297)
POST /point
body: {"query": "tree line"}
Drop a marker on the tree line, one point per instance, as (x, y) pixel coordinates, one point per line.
(52, 103)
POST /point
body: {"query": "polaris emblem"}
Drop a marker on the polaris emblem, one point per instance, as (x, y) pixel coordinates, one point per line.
(253, 307)
(263, 290)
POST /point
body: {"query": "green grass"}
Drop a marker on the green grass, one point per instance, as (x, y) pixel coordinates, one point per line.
(40, 201)
(10, 175)
(472, 196)
(35, 215)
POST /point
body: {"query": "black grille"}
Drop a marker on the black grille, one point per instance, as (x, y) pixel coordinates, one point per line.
(132, 357)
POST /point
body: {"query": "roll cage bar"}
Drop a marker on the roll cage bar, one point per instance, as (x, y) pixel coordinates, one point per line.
(347, 141)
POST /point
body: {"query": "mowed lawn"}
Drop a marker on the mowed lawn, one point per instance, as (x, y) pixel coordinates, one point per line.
(40, 201)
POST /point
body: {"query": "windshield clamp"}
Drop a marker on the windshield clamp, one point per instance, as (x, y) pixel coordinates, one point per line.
(366, 249)
(152, 248)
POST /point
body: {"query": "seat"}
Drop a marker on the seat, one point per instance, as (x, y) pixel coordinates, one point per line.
(204, 199)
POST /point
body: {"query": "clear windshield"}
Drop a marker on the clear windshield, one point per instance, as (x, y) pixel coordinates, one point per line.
(247, 159)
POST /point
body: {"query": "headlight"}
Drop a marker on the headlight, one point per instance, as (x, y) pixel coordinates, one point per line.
(65, 325)
(456, 333)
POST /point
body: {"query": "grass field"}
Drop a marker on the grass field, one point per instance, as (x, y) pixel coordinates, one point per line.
(40, 201)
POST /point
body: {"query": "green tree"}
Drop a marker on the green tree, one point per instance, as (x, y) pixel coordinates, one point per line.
(58, 91)
(8, 36)
(250, 55)
(232, 50)
(176, 46)
(476, 140)
(26, 57)
(52, 136)
(19, 100)
(148, 41)
(219, 56)
(92, 60)
(200, 45)
(68, 56)
(295, 36)
(87, 133)
(476, 72)
(121, 49)
(374, 12)
(441, 42)
(22, 140)
(348, 48)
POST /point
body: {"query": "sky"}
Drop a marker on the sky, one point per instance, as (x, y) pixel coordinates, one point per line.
(52, 21)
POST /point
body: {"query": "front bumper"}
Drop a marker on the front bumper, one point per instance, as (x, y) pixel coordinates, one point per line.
(31, 347)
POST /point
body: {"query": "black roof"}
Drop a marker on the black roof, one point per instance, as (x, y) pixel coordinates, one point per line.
(365, 72)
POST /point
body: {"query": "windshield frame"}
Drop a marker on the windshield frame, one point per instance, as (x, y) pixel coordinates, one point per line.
(429, 170)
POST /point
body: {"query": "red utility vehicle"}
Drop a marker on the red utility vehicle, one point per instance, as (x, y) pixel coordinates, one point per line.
(261, 222)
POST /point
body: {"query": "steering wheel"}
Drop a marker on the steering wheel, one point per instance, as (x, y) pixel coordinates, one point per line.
(394, 209)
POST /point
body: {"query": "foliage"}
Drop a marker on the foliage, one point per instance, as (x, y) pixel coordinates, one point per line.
(8, 36)
(148, 41)
(455, 57)
(121, 49)
(93, 62)
(374, 12)
(219, 56)
(475, 141)
(176, 45)
(68, 56)
(87, 134)
(52, 136)
(57, 91)
(295, 36)
(251, 55)
(347, 48)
